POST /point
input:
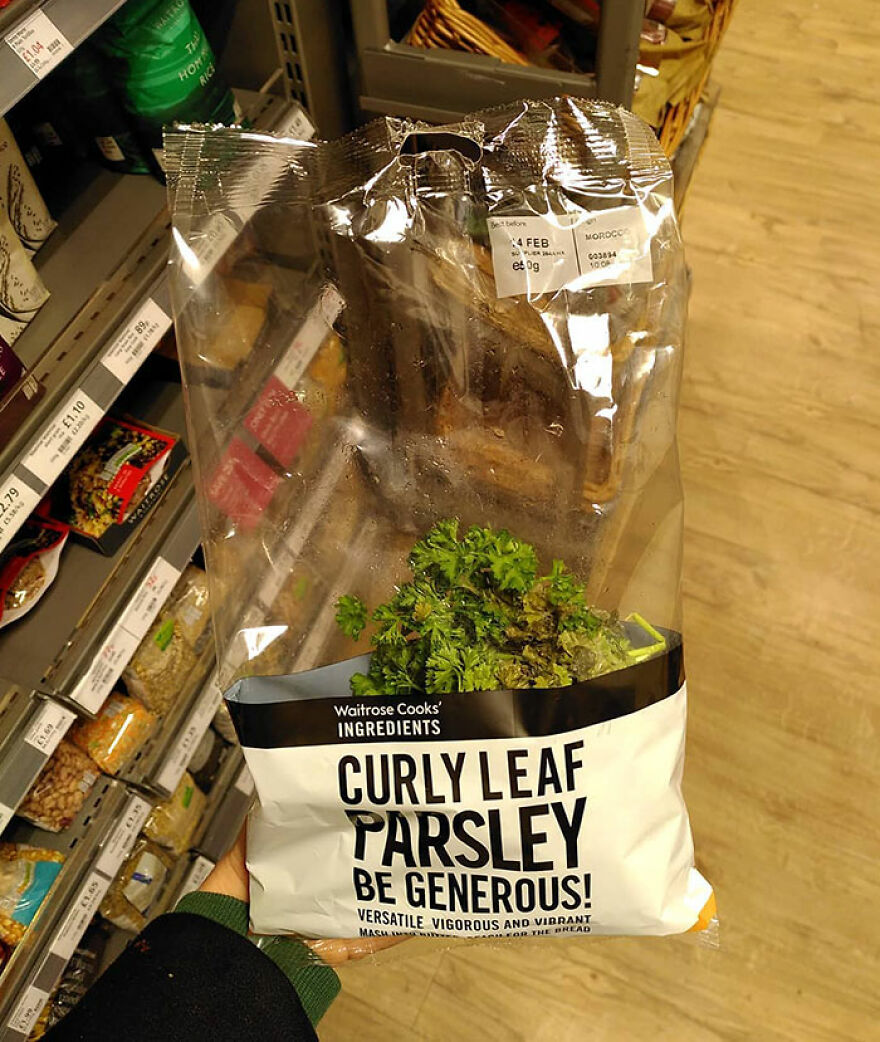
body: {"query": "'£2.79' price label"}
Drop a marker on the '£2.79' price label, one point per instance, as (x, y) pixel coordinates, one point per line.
(17, 500)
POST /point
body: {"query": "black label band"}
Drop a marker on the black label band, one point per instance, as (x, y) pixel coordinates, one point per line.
(265, 721)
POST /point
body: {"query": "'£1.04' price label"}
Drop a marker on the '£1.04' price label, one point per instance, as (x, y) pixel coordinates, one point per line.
(39, 43)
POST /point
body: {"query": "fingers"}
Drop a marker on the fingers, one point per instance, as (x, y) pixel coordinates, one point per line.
(335, 952)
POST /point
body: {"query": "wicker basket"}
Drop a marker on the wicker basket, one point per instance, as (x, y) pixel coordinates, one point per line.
(445, 24)
(678, 117)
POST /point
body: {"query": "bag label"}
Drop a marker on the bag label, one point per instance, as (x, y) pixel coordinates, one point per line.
(39, 43)
(535, 255)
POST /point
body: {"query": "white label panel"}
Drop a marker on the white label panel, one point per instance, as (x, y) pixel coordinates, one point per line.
(39, 43)
(149, 597)
(245, 781)
(27, 1011)
(118, 846)
(105, 670)
(311, 334)
(80, 915)
(141, 334)
(17, 500)
(198, 872)
(49, 728)
(5, 816)
(535, 255)
(198, 722)
(298, 126)
(67, 431)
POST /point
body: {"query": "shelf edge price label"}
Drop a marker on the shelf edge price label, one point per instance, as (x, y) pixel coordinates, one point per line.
(118, 846)
(39, 43)
(30, 1006)
(196, 725)
(149, 597)
(17, 500)
(79, 917)
(198, 872)
(65, 433)
(105, 670)
(49, 728)
(142, 332)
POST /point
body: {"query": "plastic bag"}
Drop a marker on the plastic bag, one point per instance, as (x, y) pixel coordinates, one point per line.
(486, 507)
(26, 877)
(61, 788)
(137, 886)
(172, 822)
(116, 734)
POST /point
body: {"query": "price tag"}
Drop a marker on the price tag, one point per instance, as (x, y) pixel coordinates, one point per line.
(105, 670)
(118, 846)
(199, 719)
(68, 429)
(30, 1006)
(198, 872)
(39, 43)
(309, 337)
(149, 597)
(298, 126)
(244, 782)
(141, 334)
(80, 915)
(49, 728)
(17, 500)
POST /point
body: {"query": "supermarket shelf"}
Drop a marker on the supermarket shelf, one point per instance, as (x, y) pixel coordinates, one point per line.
(228, 803)
(94, 847)
(684, 162)
(105, 266)
(76, 20)
(30, 730)
(440, 86)
(56, 644)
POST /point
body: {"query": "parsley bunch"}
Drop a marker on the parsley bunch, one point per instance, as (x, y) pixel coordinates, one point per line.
(477, 616)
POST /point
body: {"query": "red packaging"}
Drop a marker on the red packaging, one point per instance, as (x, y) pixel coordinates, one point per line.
(242, 485)
(28, 566)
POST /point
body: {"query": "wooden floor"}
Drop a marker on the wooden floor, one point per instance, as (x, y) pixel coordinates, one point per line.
(780, 437)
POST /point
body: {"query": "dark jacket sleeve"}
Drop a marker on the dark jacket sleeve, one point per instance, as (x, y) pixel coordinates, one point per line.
(189, 977)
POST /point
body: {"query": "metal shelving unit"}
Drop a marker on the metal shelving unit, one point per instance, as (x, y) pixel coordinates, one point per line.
(440, 86)
(75, 20)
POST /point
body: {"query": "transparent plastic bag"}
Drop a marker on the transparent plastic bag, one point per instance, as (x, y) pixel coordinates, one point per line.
(137, 886)
(172, 822)
(61, 788)
(451, 450)
(116, 734)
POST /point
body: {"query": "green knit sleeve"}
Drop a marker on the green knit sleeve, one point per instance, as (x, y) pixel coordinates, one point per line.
(315, 983)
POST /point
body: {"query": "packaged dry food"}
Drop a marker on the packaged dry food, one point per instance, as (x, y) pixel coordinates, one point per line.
(61, 788)
(190, 607)
(20, 198)
(160, 668)
(114, 480)
(480, 730)
(26, 877)
(19, 391)
(163, 67)
(22, 292)
(115, 735)
(223, 725)
(137, 886)
(172, 822)
(28, 566)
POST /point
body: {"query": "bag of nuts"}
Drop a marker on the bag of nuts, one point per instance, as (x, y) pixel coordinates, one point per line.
(61, 789)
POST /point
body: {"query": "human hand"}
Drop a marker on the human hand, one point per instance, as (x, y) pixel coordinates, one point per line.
(230, 877)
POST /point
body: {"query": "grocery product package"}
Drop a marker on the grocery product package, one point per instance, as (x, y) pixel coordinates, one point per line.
(28, 566)
(121, 727)
(442, 520)
(114, 480)
(26, 876)
(137, 886)
(172, 822)
(22, 291)
(61, 788)
(20, 198)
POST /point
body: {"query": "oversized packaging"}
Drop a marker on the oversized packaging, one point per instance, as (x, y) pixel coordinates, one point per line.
(442, 519)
